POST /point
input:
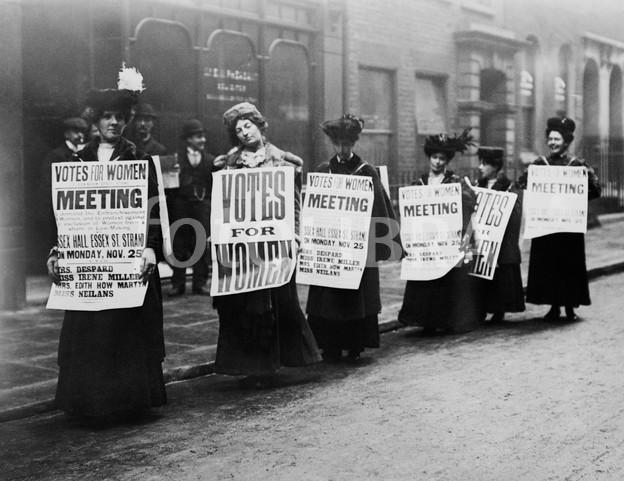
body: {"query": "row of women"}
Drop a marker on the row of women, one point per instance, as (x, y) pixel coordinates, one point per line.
(111, 360)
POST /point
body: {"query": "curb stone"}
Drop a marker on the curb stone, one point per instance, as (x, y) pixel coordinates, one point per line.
(185, 373)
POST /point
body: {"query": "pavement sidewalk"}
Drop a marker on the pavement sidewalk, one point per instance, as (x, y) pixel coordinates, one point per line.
(29, 337)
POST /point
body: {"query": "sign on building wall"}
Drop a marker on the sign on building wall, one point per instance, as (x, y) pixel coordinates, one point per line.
(230, 72)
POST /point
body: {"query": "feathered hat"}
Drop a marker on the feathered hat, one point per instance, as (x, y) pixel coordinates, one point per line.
(348, 127)
(121, 99)
(448, 145)
(563, 125)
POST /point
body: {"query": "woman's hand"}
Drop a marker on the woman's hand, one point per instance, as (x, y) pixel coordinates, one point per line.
(148, 264)
(53, 268)
(219, 162)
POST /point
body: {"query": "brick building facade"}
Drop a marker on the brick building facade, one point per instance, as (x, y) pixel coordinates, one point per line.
(501, 67)
(410, 68)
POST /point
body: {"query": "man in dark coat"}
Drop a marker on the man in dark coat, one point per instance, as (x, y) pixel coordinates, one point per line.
(142, 136)
(74, 130)
(192, 201)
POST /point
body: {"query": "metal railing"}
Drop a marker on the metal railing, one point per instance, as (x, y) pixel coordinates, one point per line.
(610, 169)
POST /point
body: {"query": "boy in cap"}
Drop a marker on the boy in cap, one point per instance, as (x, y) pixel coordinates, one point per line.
(192, 201)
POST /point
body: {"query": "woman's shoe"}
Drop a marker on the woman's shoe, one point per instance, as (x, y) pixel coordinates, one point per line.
(332, 356)
(497, 317)
(570, 315)
(353, 356)
(553, 315)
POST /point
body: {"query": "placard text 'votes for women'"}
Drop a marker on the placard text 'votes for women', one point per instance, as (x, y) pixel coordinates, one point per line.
(101, 217)
(252, 229)
(335, 223)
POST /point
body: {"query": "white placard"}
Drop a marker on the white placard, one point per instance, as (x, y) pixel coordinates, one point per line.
(335, 224)
(101, 217)
(489, 222)
(555, 200)
(252, 229)
(431, 230)
(164, 211)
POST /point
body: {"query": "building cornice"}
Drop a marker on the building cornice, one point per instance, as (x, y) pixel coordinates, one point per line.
(489, 37)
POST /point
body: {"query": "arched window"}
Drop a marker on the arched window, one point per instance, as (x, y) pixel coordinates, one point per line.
(287, 94)
(611, 169)
(494, 93)
(230, 76)
(163, 53)
(615, 109)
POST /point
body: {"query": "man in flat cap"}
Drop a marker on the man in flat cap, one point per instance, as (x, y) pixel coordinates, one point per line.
(192, 201)
(74, 129)
(142, 128)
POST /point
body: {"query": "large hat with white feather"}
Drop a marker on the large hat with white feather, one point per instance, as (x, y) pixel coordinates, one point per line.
(122, 99)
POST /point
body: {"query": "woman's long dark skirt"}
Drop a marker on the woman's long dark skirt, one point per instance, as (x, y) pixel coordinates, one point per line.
(557, 271)
(259, 343)
(110, 362)
(505, 292)
(453, 302)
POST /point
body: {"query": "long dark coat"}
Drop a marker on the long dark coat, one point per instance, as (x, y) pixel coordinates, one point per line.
(62, 153)
(260, 331)
(453, 302)
(557, 269)
(191, 201)
(505, 292)
(111, 361)
(348, 318)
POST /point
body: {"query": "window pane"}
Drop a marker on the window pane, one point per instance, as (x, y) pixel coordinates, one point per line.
(376, 95)
(287, 99)
(164, 55)
(374, 148)
(528, 120)
(430, 106)
(230, 76)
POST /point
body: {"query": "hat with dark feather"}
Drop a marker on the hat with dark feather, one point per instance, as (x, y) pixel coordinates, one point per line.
(448, 145)
(347, 127)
